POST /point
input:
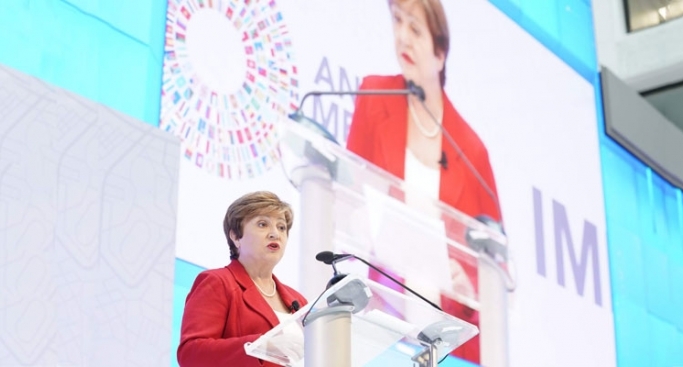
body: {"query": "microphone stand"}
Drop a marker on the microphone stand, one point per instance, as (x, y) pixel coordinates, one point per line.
(299, 116)
(367, 92)
(462, 155)
(390, 278)
(431, 336)
(491, 280)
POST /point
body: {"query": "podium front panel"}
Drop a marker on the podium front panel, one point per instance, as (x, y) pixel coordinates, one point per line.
(380, 334)
(379, 217)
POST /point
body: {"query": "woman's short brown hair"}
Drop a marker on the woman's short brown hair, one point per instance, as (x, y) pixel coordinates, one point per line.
(247, 207)
(438, 28)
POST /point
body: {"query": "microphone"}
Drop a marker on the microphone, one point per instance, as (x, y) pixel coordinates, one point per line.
(329, 258)
(295, 306)
(444, 161)
(334, 258)
(411, 89)
(298, 115)
(416, 90)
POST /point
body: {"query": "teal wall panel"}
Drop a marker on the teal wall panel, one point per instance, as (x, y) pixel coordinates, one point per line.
(107, 51)
(185, 274)
(644, 213)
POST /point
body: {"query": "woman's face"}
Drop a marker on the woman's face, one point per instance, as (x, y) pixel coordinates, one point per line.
(414, 44)
(264, 239)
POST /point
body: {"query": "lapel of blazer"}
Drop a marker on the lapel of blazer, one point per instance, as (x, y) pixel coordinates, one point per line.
(452, 181)
(392, 137)
(287, 297)
(252, 296)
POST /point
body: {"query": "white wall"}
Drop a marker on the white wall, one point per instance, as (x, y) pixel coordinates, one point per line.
(644, 59)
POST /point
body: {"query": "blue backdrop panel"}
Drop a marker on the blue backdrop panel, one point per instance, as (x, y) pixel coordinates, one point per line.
(644, 213)
(108, 51)
(646, 250)
(185, 274)
(565, 27)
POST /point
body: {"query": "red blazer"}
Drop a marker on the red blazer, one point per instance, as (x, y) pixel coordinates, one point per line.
(379, 133)
(224, 310)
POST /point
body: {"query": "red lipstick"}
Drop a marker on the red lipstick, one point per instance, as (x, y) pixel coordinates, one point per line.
(273, 246)
(407, 59)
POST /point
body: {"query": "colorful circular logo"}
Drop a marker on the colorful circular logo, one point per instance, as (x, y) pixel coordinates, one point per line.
(229, 77)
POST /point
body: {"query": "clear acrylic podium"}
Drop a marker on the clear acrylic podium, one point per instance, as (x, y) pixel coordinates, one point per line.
(347, 204)
(350, 325)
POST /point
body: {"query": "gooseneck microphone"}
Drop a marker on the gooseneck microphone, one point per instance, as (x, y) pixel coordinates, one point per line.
(416, 90)
(298, 115)
(420, 93)
(411, 89)
(330, 258)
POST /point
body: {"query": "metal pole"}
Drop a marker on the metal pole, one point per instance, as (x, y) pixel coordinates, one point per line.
(433, 356)
(493, 313)
(327, 337)
(316, 203)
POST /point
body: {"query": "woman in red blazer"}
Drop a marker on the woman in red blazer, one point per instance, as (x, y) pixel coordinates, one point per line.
(231, 306)
(398, 134)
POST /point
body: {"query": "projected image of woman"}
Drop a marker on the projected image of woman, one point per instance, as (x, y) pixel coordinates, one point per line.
(398, 134)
